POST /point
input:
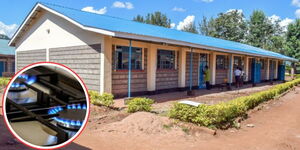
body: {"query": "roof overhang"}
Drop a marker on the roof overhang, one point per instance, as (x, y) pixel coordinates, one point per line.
(37, 8)
(191, 45)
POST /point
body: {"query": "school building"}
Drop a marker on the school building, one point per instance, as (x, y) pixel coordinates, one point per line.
(129, 58)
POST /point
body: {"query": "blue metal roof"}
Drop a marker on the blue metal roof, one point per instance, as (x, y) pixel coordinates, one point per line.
(5, 49)
(128, 26)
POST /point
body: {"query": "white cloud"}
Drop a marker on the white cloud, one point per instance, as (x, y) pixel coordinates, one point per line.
(92, 10)
(8, 30)
(283, 23)
(240, 11)
(178, 9)
(296, 3)
(173, 25)
(187, 21)
(127, 5)
(274, 18)
(207, 1)
(297, 13)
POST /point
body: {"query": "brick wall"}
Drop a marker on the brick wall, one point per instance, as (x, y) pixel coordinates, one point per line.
(84, 60)
(263, 71)
(195, 75)
(221, 74)
(25, 58)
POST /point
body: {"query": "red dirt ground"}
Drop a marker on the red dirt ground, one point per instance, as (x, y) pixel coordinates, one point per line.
(276, 127)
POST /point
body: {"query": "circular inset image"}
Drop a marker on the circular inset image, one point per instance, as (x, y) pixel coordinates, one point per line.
(46, 105)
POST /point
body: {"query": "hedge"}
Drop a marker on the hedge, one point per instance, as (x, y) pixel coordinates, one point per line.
(4, 81)
(139, 104)
(225, 113)
(105, 99)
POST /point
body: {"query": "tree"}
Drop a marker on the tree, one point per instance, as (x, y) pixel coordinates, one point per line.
(230, 26)
(5, 37)
(139, 18)
(156, 18)
(191, 27)
(292, 45)
(207, 27)
(261, 30)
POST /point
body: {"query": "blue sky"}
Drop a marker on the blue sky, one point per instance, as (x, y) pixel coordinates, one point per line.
(12, 12)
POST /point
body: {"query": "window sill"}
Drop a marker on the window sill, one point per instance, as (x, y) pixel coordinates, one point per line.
(128, 70)
(166, 70)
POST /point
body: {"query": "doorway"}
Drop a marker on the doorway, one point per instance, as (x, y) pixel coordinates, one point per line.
(202, 63)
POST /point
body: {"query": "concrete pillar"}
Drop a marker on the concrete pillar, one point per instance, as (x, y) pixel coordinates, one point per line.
(212, 67)
(151, 68)
(276, 70)
(268, 69)
(182, 67)
(292, 70)
(106, 65)
(230, 70)
(247, 68)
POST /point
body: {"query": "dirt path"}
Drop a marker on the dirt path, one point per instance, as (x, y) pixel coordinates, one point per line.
(277, 127)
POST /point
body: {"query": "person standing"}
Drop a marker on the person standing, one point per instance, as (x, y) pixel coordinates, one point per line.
(237, 74)
(207, 77)
(242, 79)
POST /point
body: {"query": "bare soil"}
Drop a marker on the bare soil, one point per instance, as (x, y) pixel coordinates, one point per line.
(276, 127)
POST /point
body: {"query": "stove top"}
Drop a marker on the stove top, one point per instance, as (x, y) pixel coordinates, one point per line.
(53, 103)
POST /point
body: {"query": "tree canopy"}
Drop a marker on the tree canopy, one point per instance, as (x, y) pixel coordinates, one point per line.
(230, 26)
(259, 30)
(292, 45)
(5, 37)
(156, 18)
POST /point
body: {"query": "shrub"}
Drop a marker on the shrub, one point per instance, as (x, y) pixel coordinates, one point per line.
(4, 81)
(224, 113)
(105, 99)
(139, 104)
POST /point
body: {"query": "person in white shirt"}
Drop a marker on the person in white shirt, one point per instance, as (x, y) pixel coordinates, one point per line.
(237, 74)
(243, 75)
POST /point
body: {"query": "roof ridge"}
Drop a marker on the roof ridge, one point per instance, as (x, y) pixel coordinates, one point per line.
(143, 23)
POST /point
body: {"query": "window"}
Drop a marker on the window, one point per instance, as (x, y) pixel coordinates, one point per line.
(165, 59)
(262, 62)
(221, 62)
(122, 56)
(238, 62)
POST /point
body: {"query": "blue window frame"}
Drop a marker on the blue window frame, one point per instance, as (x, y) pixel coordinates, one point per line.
(165, 59)
(122, 56)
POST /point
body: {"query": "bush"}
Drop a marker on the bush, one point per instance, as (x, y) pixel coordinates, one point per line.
(4, 81)
(224, 113)
(105, 99)
(139, 104)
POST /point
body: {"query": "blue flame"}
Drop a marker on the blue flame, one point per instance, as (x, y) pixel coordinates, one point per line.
(78, 106)
(84, 106)
(31, 80)
(78, 123)
(56, 109)
(28, 79)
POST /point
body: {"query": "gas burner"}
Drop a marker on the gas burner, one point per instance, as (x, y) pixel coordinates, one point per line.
(18, 85)
(70, 117)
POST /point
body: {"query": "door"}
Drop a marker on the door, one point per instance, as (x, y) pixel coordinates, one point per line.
(1, 68)
(256, 71)
(202, 63)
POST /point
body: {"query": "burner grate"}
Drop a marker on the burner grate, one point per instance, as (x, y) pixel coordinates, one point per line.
(70, 117)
